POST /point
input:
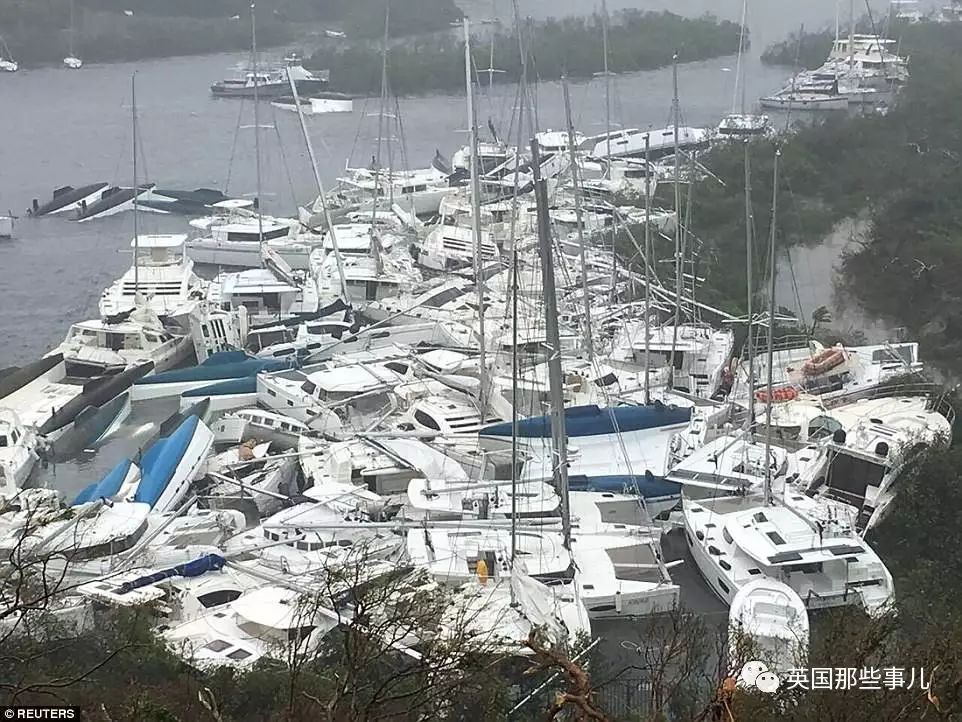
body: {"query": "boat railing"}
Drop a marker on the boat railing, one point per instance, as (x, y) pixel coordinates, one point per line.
(938, 398)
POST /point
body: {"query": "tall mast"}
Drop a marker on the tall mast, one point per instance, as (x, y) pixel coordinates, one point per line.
(320, 187)
(476, 216)
(604, 41)
(257, 125)
(739, 85)
(771, 331)
(71, 29)
(559, 436)
(381, 111)
(851, 39)
(679, 268)
(648, 262)
(749, 263)
(133, 118)
(522, 101)
(579, 217)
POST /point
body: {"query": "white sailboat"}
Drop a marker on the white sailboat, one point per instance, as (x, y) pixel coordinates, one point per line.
(72, 62)
(7, 63)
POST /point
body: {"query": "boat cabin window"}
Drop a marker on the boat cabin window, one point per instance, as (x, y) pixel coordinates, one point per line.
(814, 568)
(5, 442)
(426, 420)
(606, 380)
(397, 367)
(325, 330)
(151, 337)
(902, 352)
(221, 596)
(822, 427)
(850, 477)
(309, 387)
(268, 235)
(775, 537)
(414, 189)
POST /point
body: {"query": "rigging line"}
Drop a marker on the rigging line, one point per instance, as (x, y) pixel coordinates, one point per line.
(357, 134)
(233, 146)
(284, 163)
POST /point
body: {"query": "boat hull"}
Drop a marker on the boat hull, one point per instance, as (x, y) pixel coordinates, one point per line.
(833, 103)
(68, 199)
(265, 91)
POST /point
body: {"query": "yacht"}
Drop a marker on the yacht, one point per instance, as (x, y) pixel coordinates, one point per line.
(807, 97)
(696, 355)
(374, 265)
(906, 11)
(18, 453)
(162, 279)
(631, 142)
(416, 191)
(862, 449)
(107, 347)
(7, 63)
(67, 198)
(237, 243)
(809, 544)
(738, 126)
(271, 82)
(317, 103)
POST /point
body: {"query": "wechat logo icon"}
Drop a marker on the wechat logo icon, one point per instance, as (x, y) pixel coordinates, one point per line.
(756, 674)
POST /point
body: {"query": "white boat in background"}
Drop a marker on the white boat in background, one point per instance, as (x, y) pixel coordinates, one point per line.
(18, 452)
(161, 278)
(810, 544)
(105, 347)
(7, 63)
(738, 126)
(631, 142)
(768, 622)
(6, 227)
(72, 62)
(807, 98)
(317, 103)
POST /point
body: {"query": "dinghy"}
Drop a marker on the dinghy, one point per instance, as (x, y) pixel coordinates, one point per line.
(768, 622)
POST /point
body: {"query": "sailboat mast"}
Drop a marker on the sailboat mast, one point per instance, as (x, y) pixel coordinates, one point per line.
(133, 118)
(320, 187)
(476, 216)
(381, 111)
(515, 267)
(679, 268)
(749, 282)
(771, 331)
(738, 64)
(647, 266)
(257, 126)
(559, 435)
(579, 218)
(604, 41)
(851, 39)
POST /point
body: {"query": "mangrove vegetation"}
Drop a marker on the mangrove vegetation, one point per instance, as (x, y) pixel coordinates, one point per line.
(637, 41)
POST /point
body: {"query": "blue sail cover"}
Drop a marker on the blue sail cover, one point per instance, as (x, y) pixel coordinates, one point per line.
(106, 487)
(161, 461)
(596, 421)
(246, 385)
(646, 485)
(217, 372)
(202, 565)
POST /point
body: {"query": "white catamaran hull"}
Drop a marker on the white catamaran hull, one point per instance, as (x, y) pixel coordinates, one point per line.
(244, 254)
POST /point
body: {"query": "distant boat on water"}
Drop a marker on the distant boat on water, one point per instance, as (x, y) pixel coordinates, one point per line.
(7, 63)
(271, 82)
(317, 103)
